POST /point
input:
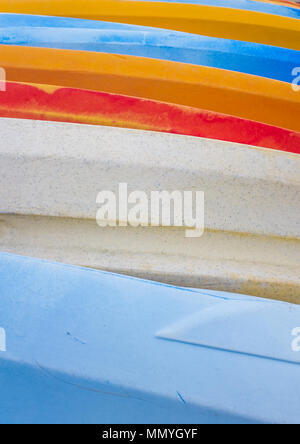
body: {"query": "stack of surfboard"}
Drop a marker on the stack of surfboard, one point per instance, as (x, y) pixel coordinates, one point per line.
(186, 95)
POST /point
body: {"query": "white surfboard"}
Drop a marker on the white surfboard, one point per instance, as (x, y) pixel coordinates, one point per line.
(51, 174)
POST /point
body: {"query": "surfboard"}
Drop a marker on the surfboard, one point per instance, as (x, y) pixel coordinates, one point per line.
(51, 174)
(256, 23)
(67, 33)
(43, 102)
(85, 346)
(241, 95)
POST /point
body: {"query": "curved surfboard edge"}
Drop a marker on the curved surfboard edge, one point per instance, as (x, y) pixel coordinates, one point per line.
(56, 169)
(52, 103)
(242, 95)
(200, 19)
(283, 2)
(78, 34)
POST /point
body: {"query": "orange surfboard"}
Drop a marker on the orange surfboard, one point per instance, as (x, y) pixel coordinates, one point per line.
(44, 102)
(241, 95)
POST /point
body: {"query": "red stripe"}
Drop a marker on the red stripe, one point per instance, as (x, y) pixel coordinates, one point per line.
(82, 106)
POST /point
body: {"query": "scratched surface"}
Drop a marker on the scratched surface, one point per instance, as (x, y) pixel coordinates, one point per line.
(84, 346)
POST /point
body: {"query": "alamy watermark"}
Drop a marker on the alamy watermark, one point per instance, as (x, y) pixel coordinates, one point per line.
(2, 340)
(2, 79)
(296, 80)
(296, 341)
(154, 209)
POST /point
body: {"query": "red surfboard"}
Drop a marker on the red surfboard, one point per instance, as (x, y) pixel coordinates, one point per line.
(45, 102)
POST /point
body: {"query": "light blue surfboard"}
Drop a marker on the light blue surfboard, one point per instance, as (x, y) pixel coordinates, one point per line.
(84, 346)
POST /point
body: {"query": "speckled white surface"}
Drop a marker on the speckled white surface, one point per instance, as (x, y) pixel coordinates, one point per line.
(252, 195)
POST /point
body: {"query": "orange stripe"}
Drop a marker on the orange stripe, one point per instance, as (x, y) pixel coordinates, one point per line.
(250, 97)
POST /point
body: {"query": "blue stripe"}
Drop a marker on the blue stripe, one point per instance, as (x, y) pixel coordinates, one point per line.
(84, 346)
(68, 33)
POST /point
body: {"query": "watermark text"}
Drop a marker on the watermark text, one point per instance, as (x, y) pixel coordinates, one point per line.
(296, 80)
(2, 79)
(296, 342)
(2, 340)
(156, 208)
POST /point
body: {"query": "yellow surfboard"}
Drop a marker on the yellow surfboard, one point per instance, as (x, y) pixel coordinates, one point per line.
(206, 20)
(250, 97)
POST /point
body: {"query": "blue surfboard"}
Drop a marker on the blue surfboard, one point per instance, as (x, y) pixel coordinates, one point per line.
(67, 33)
(84, 346)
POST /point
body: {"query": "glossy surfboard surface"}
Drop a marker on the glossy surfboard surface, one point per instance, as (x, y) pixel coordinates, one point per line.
(50, 177)
(84, 346)
(241, 95)
(215, 21)
(43, 102)
(67, 33)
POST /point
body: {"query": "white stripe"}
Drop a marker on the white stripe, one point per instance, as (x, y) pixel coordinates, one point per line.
(252, 196)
